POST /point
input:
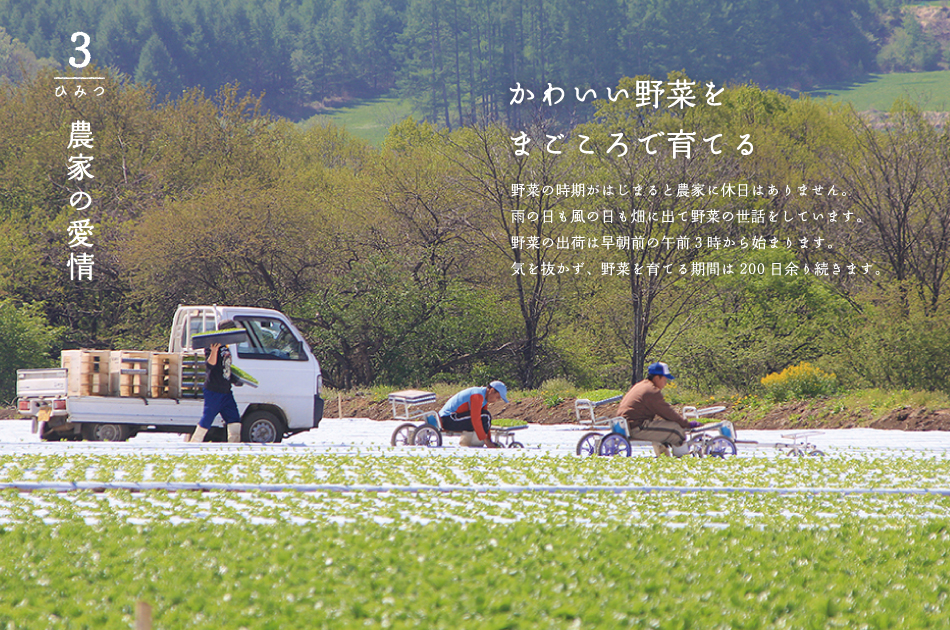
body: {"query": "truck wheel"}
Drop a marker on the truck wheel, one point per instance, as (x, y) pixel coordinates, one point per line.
(101, 432)
(260, 427)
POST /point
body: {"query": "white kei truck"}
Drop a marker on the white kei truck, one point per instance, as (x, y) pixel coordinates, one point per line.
(111, 395)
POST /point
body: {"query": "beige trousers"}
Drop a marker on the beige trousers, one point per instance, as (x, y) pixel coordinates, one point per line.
(661, 432)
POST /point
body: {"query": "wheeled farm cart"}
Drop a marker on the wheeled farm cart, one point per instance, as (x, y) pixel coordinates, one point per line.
(715, 439)
(407, 406)
(609, 434)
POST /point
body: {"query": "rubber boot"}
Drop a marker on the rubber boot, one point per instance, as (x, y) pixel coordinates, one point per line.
(682, 449)
(199, 435)
(234, 432)
(470, 439)
(661, 450)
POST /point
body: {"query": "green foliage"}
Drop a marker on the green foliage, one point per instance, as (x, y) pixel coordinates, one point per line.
(17, 62)
(853, 469)
(801, 559)
(380, 322)
(554, 391)
(798, 382)
(455, 60)
(599, 394)
(579, 351)
(759, 323)
(898, 344)
(344, 575)
(26, 340)
(911, 49)
(879, 401)
(157, 67)
(506, 422)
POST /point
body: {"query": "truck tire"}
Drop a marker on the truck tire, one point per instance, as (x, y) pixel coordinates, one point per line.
(102, 432)
(261, 427)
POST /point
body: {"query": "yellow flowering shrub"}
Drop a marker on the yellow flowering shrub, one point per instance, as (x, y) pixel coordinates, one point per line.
(799, 381)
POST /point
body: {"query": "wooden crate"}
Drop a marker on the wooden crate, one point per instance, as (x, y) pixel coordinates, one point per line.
(129, 370)
(87, 372)
(192, 374)
(165, 374)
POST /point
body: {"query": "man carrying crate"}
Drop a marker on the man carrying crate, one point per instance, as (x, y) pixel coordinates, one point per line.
(217, 391)
(457, 414)
(650, 418)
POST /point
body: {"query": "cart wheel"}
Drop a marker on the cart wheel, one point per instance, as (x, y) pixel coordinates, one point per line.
(794, 452)
(403, 434)
(427, 436)
(516, 444)
(614, 444)
(588, 444)
(696, 447)
(720, 446)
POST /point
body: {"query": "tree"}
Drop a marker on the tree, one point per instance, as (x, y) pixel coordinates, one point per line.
(157, 67)
(422, 45)
(26, 340)
(375, 30)
(238, 242)
(758, 323)
(663, 286)
(911, 49)
(898, 182)
(119, 39)
(511, 225)
(17, 62)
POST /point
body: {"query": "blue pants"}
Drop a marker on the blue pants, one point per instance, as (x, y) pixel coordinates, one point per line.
(216, 403)
(456, 424)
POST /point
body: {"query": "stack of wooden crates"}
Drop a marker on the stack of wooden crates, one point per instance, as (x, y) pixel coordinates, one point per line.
(134, 373)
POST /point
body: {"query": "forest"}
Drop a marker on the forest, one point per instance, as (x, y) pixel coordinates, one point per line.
(458, 59)
(453, 255)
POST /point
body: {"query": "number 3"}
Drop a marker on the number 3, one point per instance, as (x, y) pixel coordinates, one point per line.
(83, 49)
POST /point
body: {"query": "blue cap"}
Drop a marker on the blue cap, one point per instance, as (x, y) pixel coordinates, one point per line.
(499, 387)
(659, 369)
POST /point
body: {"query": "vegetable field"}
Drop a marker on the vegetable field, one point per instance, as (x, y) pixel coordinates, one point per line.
(357, 534)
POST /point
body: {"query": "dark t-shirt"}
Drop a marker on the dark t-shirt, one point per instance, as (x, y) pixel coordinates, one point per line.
(218, 377)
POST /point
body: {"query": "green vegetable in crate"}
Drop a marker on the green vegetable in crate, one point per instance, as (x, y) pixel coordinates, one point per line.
(245, 378)
(504, 423)
(224, 337)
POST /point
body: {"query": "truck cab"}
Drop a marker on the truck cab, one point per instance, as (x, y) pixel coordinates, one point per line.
(286, 400)
(275, 353)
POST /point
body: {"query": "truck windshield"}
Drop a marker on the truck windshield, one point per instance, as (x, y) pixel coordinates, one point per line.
(269, 338)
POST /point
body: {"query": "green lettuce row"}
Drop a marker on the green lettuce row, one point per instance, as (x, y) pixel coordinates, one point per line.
(388, 467)
(525, 575)
(589, 509)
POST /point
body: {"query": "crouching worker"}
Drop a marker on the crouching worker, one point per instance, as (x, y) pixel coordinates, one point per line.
(217, 391)
(650, 417)
(457, 414)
